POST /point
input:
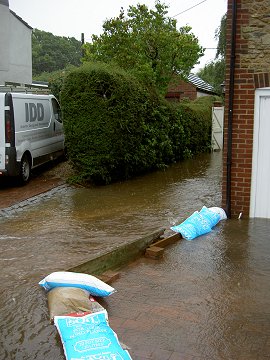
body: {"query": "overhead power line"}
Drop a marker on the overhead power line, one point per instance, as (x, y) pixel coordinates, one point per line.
(192, 7)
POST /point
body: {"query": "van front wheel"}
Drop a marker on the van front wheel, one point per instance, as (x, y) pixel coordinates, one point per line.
(25, 170)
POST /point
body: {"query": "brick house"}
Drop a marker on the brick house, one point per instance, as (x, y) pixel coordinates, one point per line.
(191, 89)
(246, 158)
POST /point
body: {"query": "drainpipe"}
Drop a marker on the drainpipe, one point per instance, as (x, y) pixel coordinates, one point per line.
(230, 110)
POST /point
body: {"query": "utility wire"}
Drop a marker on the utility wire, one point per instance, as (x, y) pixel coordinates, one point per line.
(190, 8)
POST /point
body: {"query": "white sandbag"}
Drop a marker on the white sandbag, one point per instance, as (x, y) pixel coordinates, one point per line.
(87, 282)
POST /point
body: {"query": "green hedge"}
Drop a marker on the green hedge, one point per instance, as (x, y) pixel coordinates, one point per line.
(196, 121)
(115, 128)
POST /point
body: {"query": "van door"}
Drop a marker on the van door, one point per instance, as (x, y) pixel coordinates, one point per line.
(58, 131)
(33, 128)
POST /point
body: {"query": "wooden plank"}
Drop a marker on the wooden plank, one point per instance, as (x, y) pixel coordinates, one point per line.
(109, 276)
(154, 252)
(118, 256)
(167, 241)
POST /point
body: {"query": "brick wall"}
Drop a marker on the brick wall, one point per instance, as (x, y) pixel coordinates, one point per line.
(181, 90)
(251, 72)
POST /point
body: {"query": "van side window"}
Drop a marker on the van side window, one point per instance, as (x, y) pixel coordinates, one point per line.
(56, 110)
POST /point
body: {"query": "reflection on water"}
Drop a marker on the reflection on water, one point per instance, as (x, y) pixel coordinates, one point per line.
(77, 223)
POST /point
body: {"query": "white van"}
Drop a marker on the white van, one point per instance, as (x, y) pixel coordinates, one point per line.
(31, 132)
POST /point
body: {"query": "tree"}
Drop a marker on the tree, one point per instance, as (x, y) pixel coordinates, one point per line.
(214, 71)
(214, 74)
(220, 35)
(147, 43)
(51, 53)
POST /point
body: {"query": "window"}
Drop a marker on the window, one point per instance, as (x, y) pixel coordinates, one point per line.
(56, 110)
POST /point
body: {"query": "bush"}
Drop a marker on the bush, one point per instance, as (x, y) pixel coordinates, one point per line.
(116, 128)
(55, 79)
(104, 118)
(196, 120)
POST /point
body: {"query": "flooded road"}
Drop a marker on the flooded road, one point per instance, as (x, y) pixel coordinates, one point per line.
(75, 224)
(208, 299)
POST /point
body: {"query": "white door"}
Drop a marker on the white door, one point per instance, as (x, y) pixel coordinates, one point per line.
(217, 127)
(260, 188)
(2, 132)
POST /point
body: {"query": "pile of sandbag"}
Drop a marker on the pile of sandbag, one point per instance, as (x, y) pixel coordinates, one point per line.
(81, 321)
(200, 222)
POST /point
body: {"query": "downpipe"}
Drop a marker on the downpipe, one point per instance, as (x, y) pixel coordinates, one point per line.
(230, 109)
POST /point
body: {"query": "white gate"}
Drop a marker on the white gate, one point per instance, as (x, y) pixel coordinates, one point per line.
(260, 189)
(217, 128)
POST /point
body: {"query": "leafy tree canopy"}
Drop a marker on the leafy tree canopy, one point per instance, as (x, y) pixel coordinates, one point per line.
(220, 35)
(51, 53)
(147, 43)
(214, 71)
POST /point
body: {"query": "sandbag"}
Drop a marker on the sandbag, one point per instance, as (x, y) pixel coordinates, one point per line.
(89, 337)
(220, 211)
(95, 286)
(68, 300)
(195, 225)
(199, 223)
(210, 216)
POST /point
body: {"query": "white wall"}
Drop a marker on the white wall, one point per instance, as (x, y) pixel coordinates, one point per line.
(4, 39)
(200, 94)
(16, 49)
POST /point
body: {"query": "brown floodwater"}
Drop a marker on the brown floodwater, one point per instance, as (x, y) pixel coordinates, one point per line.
(75, 224)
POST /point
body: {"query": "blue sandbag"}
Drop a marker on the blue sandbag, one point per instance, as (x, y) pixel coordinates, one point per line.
(193, 226)
(89, 337)
(212, 217)
(199, 223)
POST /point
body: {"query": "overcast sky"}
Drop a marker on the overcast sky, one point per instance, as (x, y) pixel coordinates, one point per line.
(73, 17)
